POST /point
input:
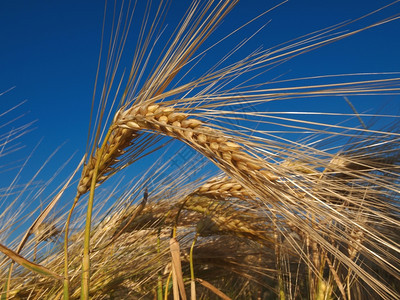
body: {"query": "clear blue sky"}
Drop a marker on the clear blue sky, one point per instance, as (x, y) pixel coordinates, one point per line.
(49, 52)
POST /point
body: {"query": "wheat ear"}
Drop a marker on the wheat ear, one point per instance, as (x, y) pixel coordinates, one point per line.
(211, 142)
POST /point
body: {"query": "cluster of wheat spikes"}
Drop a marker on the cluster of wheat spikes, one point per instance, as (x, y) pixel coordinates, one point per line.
(315, 217)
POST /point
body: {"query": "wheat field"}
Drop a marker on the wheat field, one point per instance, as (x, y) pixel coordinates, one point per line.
(201, 186)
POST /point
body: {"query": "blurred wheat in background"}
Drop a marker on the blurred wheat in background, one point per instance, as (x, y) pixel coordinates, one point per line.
(222, 194)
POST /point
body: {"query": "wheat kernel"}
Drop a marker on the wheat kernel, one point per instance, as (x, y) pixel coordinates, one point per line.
(215, 187)
(233, 145)
(188, 134)
(163, 119)
(241, 165)
(176, 130)
(191, 123)
(152, 108)
(168, 110)
(143, 110)
(205, 187)
(176, 117)
(236, 187)
(202, 138)
(207, 130)
(159, 111)
(238, 156)
(237, 194)
(214, 146)
(187, 123)
(132, 111)
(226, 186)
(85, 181)
(253, 166)
(176, 124)
(82, 189)
(269, 175)
(133, 125)
(227, 156)
(124, 131)
(221, 140)
(227, 147)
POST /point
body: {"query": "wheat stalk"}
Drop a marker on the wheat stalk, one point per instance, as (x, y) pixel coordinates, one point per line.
(332, 201)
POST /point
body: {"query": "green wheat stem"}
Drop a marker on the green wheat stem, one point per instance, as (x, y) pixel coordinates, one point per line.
(5, 293)
(167, 285)
(159, 279)
(192, 279)
(86, 245)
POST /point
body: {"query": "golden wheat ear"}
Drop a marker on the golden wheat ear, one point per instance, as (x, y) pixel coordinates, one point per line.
(287, 218)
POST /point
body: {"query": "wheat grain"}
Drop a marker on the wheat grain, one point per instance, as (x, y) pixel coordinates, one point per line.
(211, 142)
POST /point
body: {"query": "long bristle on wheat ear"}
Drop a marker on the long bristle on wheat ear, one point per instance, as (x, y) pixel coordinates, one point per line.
(208, 141)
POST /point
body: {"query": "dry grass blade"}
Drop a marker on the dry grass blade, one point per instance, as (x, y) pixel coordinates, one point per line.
(36, 224)
(213, 289)
(177, 267)
(28, 264)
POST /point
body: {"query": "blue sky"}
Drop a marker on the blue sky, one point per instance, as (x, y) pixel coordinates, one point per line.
(49, 52)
